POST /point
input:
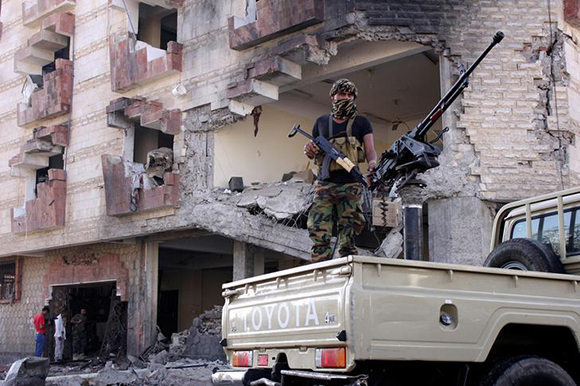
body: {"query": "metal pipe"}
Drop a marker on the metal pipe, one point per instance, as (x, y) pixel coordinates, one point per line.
(413, 231)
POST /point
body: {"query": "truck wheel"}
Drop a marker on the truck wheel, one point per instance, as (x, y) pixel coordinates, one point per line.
(524, 255)
(528, 371)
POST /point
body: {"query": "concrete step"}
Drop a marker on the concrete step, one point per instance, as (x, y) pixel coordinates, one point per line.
(253, 92)
(27, 69)
(40, 147)
(48, 41)
(34, 56)
(28, 161)
(278, 71)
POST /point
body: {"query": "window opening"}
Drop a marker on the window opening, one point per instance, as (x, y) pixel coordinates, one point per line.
(153, 149)
(54, 162)
(63, 53)
(7, 280)
(157, 25)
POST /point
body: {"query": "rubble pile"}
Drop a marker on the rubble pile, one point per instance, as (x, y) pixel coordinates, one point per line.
(205, 335)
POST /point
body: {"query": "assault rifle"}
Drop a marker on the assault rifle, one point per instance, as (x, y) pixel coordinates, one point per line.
(331, 154)
(411, 154)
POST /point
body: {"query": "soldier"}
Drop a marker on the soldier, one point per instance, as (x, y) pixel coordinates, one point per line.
(337, 194)
(79, 322)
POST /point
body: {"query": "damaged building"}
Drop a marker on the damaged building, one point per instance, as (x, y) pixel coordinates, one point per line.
(145, 158)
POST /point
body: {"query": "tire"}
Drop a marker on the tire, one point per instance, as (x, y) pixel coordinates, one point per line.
(524, 255)
(527, 371)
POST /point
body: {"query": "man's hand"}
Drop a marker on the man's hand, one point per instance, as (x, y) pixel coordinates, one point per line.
(310, 149)
(372, 167)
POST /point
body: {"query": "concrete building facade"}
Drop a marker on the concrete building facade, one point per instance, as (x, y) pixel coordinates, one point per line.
(122, 122)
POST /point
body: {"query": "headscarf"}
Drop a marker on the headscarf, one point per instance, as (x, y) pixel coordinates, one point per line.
(343, 108)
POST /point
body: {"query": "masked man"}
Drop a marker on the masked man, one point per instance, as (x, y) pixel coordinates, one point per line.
(337, 194)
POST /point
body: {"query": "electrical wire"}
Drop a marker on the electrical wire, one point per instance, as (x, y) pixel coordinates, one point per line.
(129, 18)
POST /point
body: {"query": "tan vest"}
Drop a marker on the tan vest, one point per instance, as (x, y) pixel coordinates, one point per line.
(349, 145)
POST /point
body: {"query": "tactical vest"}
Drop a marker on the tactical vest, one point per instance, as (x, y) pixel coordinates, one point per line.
(349, 145)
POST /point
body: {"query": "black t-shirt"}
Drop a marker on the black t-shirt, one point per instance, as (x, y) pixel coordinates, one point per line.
(360, 127)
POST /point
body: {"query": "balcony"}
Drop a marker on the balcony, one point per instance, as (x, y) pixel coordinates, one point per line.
(134, 62)
(272, 19)
(47, 211)
(53, 99)
(127, 189)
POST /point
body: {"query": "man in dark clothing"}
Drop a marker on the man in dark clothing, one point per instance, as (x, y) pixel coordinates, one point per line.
(79, 322)
(337, 194)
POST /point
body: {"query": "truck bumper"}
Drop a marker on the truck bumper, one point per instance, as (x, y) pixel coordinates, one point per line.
(228, 378)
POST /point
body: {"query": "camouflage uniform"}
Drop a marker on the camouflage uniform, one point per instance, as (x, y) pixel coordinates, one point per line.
(335, 203)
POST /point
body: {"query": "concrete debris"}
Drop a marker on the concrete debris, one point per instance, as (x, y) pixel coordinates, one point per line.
(67, 380)
(392, 245)
(160, 357)
(110, 376)
(159, 161)
(29, 371)
(136, 362)
(178, 343)
(281, 200)
(204, 337)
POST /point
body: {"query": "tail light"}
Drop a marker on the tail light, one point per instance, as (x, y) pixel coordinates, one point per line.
(263, 360)
(242, 359)
(331, 358)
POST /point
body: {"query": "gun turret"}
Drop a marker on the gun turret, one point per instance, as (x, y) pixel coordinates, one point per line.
(411, 154)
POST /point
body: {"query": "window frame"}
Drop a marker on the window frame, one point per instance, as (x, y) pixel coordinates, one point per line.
(17, 261)
(540, 217)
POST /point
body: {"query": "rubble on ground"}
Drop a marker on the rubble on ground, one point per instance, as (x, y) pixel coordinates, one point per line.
(205, 335)
(29, 371)
(188, 358)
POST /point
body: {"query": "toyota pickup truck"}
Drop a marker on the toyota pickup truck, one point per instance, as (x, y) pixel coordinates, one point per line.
(375, 321)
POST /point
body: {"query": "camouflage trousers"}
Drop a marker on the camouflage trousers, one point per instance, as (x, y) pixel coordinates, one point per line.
(335, 204)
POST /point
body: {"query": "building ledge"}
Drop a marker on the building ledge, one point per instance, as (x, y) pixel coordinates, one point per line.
(47, 211)
(274, 18)
(134, 63)
(127, 189)
(124, 112)
(33, 11)
(53, 99)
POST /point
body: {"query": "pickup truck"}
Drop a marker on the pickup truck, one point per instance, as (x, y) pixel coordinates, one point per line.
(375, 321)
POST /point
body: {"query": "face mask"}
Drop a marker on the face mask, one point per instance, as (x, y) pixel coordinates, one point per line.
(343, 108)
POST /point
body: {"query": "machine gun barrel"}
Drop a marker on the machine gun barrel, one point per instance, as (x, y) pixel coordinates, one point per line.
(454, 91)
(411, 154)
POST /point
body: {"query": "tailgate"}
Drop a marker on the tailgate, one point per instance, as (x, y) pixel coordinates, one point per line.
(302, 307)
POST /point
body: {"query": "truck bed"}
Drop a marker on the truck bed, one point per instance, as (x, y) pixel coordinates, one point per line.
(385, 309)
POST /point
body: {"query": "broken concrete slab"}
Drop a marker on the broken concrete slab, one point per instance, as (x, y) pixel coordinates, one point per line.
(29, 371)
(281, 200)
(392, 245)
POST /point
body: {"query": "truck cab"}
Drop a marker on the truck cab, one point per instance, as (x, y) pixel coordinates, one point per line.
(541, 233)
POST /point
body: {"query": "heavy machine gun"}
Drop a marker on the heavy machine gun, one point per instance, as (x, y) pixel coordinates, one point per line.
(412, 154)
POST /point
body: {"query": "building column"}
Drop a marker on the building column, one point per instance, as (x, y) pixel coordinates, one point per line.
(142, 307)
(248, 260)
(459, 230)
